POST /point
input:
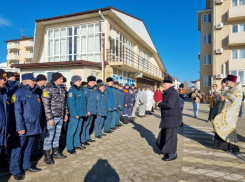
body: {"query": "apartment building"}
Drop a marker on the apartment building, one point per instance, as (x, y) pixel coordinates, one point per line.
(103, 42)
(222, 48)
(20, 51)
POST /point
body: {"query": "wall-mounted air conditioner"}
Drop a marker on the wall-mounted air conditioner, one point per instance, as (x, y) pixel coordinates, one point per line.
(219, 1)
(219, 76)
(219, 51)
(219, 26)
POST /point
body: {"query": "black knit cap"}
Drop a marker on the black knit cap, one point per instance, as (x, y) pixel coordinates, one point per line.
(115, 83)
(109, 79)
(181, 85)
(3, 74)
(10, 74)
(91, 78)
(41, 77)
(64, 79)
(168, 79)
(56, 76)
(99, 81)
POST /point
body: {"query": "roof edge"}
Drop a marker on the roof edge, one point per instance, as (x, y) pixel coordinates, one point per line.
(83, 13)
(28, 38)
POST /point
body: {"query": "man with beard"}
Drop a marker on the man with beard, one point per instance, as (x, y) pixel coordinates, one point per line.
(171, 120)
(225, 122)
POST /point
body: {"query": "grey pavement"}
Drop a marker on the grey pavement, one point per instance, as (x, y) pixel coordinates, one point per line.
(130, 155)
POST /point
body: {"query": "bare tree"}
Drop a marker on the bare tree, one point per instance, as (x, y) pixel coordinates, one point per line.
(187, 87)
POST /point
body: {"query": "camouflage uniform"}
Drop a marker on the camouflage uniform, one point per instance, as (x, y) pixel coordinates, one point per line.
(55, 106)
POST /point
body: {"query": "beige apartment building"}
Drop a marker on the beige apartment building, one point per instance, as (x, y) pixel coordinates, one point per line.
(20, 51)
(222, 32)
(103, 42)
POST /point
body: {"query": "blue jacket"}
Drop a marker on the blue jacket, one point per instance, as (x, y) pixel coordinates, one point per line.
(91, 98)
(77, 101)
(12, 86)
(127, 97)
(4, 116)
(28, 110)
(102, 107)
(121, 99)
(117, 98)
(111, 100)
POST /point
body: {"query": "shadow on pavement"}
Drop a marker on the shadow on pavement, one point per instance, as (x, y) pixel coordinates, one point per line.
(199, 136)
(148, 136)
(200, 111)
(191, 116)
(102, 171)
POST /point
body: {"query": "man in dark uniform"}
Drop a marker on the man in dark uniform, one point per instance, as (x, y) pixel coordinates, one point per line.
(121, 103)
(27, 107)
(115, 118)
(77, 106)
(4, 117)
(91, 99)
(101, 109)
(110, 93)
(11, 86)
(171, 120)
(37, 148)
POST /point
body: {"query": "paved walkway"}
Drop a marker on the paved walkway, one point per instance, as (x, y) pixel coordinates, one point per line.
(130, 155)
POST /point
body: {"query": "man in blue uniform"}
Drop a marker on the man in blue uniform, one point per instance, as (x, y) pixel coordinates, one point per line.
(101, 109)
(91, 99)
(110, 93)
(115, 118)
(4, 116)
(77, 106)
(27, 107)
(127, 103)
(37, 144)
(121, 103)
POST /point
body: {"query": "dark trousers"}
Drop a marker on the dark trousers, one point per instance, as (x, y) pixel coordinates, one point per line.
(210, 117)
(20, 154)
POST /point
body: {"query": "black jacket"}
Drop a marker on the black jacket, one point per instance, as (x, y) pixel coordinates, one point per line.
(171, 116)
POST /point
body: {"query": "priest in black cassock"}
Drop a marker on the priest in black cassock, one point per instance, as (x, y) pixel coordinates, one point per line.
(171, 119)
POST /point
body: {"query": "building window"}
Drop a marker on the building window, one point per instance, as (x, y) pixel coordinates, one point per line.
(16, 53)
(206, 38)
(238, 28)
(238, 54)
(95, 74)
(16, 42)
(238, 3)
(31, 51)
(121, 48)
(15, 62)
(144, 60)
(206, 59)
(207, 18)
(122, 76)
(240, 74)
(75, 43)
(207, 81)
(31, 40)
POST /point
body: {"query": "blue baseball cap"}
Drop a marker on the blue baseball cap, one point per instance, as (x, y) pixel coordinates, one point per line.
(126, 84)
(28, 76)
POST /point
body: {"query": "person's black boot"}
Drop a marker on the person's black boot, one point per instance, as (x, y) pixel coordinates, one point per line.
(47, 158)
(57, 155)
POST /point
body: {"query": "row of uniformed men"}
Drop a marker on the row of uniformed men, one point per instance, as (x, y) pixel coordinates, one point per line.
(27, 108)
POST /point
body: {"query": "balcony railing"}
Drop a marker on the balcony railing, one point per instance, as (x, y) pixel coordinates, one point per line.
(28, 44)
(13, 57)
(236, 39)
(127, 57)
(236, 13)
(28, 56)
(13, 46)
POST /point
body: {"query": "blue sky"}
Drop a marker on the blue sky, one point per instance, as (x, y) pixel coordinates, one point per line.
(171, 24)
